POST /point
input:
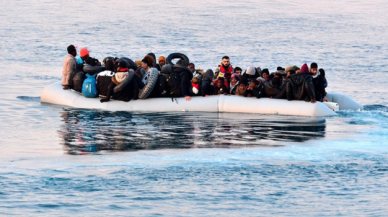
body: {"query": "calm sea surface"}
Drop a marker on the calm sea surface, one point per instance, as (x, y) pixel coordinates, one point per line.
(63, 161)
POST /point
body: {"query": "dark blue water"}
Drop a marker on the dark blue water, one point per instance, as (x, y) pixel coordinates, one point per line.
(65, 161)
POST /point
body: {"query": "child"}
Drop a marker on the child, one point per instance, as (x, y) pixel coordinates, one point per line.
(195, 86)
(220, 86)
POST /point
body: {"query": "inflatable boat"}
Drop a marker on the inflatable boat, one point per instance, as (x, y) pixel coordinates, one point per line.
(54, 94)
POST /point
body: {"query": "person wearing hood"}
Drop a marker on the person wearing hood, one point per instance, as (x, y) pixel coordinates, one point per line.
(69, 68)
(224, 69)
(185, 76)
(300, 86)
(161, 86)
(255, 89)
(207, 87)
(234, 80)
(251, 74)
(242, 86)
(319, 83)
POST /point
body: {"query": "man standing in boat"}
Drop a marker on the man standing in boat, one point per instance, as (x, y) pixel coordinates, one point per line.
(69, 68)
(224, 70)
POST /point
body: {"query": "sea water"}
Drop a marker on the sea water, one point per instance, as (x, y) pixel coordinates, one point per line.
(63, 161)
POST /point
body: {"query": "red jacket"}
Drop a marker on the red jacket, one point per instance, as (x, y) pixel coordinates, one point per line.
(227, 73)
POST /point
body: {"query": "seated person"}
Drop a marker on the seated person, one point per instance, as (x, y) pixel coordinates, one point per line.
(180, 86)
(300, 86)
(255, 89)
(128, 91)
(319, 83)
(242, 86)
(251, 73)
(104, 78)
(69, 68)
(265, 74)
(233, 83)
(272, 88)
(220, 87)
(195, 86)
(207, 87)
(162, 62)
(238, 71)
(225, 68)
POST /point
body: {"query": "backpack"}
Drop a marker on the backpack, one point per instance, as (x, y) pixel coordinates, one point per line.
(89, 88)
(174, 84)
(161, 86)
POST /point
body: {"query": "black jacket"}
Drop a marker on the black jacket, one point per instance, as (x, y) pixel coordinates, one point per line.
(271, 90)
(185, 76)
(103, 81)
(319, 87)
(300, 87)
(206, 87)
(258, 92)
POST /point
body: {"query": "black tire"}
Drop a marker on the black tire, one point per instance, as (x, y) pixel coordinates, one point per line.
(124, 83)
(132, 65)
(91, 70)
(149, 80)
(177, 56)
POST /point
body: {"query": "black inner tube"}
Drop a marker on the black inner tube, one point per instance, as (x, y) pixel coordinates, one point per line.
(132, 65)
(177, 56)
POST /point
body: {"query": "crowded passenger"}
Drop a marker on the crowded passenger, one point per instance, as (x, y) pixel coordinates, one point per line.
(272, 88)
(251, 74)
(319, 83)
(161, 63)
(220, 86)
(255, 89)
(234, 80)
(180, 80)
(207, 87)
(104, 78)
(265, 74)
(300, 86)
(224, 69)
(69, 68)
(242, 86)
(238, 71)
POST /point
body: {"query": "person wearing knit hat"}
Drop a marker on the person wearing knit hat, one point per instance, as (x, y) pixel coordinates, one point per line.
(242, 86)
(300, 86)
(304, 68)
(250, 74)
(161, 63)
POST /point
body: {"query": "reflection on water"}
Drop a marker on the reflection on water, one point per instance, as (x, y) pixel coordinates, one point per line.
(85, 131)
